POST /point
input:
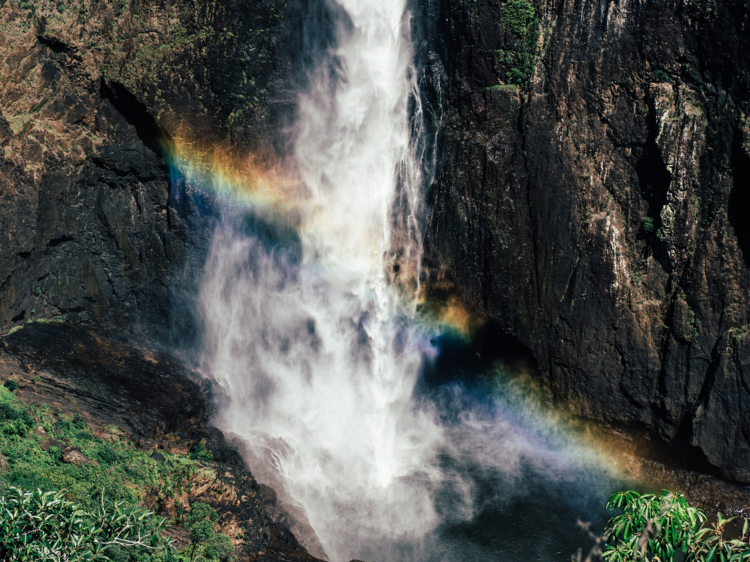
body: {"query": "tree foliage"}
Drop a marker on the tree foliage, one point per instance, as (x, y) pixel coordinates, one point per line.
(519, 59)
(655, 527)
(201, 523)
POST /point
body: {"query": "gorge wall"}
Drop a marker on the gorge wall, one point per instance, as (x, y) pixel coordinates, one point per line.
(96, 226)
(601, 215)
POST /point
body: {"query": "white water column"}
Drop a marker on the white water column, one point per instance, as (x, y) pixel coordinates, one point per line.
(318, 356)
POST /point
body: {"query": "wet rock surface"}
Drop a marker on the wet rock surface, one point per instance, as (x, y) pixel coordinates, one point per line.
(599, 215)
(714, 495)
(651, 467)
(144, 392)
(290, 523)
(149, 396)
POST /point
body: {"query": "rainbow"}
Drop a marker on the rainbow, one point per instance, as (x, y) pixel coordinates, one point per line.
(243, 179)
(248, 181)
(269, 185)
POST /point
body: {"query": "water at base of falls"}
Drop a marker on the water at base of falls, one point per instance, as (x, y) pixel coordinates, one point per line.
(399, 446)
(326, 367)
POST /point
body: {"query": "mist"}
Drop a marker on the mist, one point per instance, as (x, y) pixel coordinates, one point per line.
(310, 329)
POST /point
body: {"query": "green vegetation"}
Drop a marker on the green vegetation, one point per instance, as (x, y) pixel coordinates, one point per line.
(653, 527)
(504, 87)
(694, 329)
(661, 76)
(648, 225)
(46, 526)
(106, 492)
(519, 59)
(200, 522)
(741, 332)
(200, 453)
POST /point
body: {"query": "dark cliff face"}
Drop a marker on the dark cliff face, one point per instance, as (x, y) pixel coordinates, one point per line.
(603, 214)
(95, 225)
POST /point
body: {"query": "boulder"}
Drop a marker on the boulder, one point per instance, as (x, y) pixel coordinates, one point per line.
(73, 455)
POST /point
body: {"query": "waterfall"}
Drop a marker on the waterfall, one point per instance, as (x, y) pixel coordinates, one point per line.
(309, 330)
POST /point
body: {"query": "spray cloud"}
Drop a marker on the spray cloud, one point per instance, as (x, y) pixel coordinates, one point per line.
(308, 331)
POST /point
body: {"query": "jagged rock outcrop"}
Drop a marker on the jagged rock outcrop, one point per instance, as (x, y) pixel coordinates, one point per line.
(603, 214)
(96, 227)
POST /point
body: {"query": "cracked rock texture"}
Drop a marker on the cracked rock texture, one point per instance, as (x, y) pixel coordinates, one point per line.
(602, 215)
(92, 95)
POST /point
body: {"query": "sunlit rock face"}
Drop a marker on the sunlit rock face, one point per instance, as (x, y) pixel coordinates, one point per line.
(601, 215)
(96, 227)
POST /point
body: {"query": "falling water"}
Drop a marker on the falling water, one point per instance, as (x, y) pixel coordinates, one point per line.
(306, 335)
(309, 326)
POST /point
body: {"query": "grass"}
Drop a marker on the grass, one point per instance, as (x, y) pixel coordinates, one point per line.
(118, 471)
(504, 87)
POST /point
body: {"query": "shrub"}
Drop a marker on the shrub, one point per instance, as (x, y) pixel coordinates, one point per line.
(220, 547)
(11, 385)
(107, 455)
(200, 512)
(45, 526)
(653, 527)
(201, 523)
(519, 17)
(661, 76)
(78, 422)
(14, 420)
(648, 225)
(200, 453)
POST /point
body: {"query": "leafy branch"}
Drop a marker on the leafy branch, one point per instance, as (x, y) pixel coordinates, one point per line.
(653, 527)
(45, 526)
